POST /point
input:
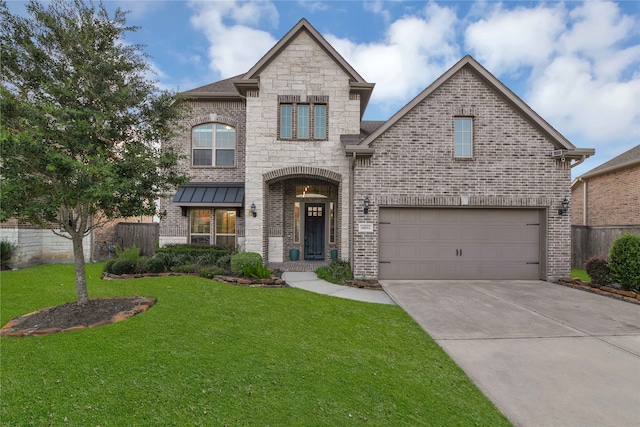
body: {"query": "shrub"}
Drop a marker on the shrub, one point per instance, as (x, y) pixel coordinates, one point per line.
(336, 272)
(123, 266)
(257, 271)
(108, 267)
(240, 260)
(131, 254)
(625, 261)
(186, 268)
(224, 262)
(597, 268)
(211, 272)
(154, 265)
(6, 251)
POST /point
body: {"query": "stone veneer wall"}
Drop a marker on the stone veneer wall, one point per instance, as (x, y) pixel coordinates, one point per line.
(303, 68)
(39, 246)
(174, 228)
(414, 166)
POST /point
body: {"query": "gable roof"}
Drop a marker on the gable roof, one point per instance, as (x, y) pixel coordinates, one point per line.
(250, 80)
(558, 140)
(625, 160)
(237, 87)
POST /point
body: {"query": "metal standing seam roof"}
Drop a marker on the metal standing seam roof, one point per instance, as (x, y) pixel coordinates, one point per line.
(221, 195)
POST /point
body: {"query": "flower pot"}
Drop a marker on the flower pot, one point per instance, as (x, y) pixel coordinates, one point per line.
(334, 254)
(294, 254)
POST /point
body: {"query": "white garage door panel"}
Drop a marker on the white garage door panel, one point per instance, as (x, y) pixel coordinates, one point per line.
(422, 243)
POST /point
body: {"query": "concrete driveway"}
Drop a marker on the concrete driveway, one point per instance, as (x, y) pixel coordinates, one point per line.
(545, 354)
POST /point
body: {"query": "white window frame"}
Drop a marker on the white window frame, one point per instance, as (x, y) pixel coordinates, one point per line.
(463, 137)
(220, 213)
(215, 147)
(192, 234)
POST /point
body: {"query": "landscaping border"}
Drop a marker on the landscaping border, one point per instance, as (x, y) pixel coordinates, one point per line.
(628, 296)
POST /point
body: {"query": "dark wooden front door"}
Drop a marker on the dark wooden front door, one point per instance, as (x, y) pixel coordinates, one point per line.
(314, 232)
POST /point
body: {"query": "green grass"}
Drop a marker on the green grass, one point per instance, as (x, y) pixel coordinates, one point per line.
(580, 274)
(218, 355)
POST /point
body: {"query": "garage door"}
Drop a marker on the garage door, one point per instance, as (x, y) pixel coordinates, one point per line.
(419, 243)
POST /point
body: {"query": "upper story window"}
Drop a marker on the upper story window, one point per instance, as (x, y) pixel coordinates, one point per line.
(213, 144)
(299, 120)
(463, 137)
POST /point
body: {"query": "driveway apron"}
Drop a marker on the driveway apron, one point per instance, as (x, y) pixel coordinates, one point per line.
(546, 355)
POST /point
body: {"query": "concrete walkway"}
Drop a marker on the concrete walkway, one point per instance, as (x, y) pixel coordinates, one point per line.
(546, 355)
(310, 282)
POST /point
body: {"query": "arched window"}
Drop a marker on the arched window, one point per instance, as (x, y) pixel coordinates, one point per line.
(213, 144)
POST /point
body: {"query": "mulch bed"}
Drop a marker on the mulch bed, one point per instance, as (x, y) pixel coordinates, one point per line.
(73, 316)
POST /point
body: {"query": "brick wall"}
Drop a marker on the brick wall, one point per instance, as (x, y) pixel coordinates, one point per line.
(576, 208)
(614, 198)
(414, 166)
(174, 228)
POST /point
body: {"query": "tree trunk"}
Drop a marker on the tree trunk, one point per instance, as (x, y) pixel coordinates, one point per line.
(81, 278)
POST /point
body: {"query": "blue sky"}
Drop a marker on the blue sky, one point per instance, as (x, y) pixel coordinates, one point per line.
(575, 63)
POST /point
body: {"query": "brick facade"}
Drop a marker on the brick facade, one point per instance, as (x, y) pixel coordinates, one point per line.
(174, 227)
(511, 167)
(613, 199)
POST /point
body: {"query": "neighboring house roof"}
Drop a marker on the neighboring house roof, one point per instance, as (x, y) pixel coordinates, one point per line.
(627, 159)
(560, 142)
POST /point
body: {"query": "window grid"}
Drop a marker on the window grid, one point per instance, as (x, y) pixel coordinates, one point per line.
(213, 144)
(463, 137)
(298, 121)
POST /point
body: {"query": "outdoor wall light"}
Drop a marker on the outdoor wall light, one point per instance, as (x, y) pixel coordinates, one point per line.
(565, 207)
(367, 202)
(253, 211)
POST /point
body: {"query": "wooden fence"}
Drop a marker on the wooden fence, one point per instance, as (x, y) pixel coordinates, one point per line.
(588, 241)
(144, 235)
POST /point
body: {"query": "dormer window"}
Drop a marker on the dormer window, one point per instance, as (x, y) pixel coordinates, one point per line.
(213, 144)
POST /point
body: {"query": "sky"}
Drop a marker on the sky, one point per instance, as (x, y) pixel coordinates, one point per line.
(576, 63)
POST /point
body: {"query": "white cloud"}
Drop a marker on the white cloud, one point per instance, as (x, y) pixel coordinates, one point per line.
(592, 87)
(573, 97)
(414, 51)
(234, 45)
(506, 40)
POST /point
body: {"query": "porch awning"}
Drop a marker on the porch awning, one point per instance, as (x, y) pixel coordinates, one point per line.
(211, 195)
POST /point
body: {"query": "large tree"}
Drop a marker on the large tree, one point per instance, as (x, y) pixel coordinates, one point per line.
(81, 122)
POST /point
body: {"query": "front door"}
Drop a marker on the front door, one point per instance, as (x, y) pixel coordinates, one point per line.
(314, 232)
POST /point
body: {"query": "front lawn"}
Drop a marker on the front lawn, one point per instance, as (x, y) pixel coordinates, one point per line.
(580, 274)
(215, 354)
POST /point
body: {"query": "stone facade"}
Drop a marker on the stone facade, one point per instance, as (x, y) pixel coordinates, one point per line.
(511, 167)
(303, 69)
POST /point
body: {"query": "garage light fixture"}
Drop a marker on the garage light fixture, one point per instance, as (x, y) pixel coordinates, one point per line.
(367, 202)
(253, 211)
(565, 207)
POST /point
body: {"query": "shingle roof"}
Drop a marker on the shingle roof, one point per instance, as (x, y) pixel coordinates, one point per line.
(626, 159)
(225, 86)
